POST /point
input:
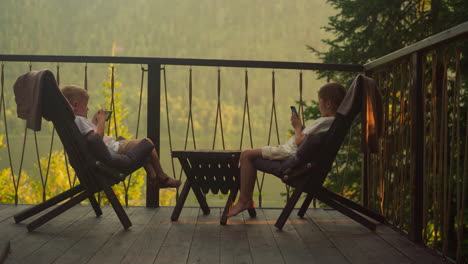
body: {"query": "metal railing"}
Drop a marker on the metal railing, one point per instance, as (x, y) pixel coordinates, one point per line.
(155, 70)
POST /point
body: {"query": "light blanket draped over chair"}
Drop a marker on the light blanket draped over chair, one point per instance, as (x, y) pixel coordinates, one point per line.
(28, 93)
(371, 110)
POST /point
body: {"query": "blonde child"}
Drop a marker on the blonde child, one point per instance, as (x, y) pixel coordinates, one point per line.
(78, 99)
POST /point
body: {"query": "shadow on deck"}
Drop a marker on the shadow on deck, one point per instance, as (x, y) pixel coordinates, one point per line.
(323, 236)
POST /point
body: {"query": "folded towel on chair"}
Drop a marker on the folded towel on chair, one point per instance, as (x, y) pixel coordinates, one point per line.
(364, 96)
(28, 89)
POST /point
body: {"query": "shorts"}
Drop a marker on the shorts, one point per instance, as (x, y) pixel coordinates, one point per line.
(127, 144)
(275, 153)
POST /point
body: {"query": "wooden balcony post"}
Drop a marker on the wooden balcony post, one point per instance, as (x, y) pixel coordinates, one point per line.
(153, 126)
(417, 150)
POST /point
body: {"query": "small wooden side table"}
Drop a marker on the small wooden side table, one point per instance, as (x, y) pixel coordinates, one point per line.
(209, 171)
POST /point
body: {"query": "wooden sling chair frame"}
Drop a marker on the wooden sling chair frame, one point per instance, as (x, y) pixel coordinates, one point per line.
(93, 175)
(309, 173)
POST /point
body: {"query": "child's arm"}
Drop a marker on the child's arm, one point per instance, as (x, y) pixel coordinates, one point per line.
(297, 125)
(99, 120)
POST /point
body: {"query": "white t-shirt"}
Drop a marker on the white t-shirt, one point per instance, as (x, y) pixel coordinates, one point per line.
(289, 149)
(84, 125)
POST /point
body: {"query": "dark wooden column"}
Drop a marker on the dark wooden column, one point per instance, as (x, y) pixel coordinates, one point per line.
(153, 126)
(365, 180)
(417, 150)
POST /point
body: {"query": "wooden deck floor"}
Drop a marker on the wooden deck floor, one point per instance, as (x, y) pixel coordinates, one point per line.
(323, 236)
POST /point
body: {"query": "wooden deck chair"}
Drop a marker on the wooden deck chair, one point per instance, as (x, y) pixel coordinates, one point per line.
(96, 169)
(307, 170)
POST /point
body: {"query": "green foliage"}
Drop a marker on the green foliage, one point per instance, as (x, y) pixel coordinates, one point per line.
(311, 112)
(7, 190)
(366, 30)
(1, 142)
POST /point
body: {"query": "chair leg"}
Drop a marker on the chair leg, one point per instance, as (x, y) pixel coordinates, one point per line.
(346, 211)
(47, 204)
(180, 202)
(56, 211)
(123, 217)
(305, 205)
(252, 212)
(95, 205)
(354, 206)
(289, 207)
(230, 200)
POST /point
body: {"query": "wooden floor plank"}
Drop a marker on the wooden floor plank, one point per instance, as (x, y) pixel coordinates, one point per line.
(9, 210)
(8, 228)
(146, 247)
(319, 245)
(29, 242)
(235, 243)
(417, 253)
(4, 250)
(357, 243)
(205, 247)
(176, 246)
(323, 236)
(58, 245)
(94, 239)
(262, 242)
(115, 249)
(292, 248)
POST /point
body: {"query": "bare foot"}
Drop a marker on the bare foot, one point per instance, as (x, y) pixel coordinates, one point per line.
(239, 207)
(168, 182)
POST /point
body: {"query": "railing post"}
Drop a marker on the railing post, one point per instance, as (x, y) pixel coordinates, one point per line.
(365, 180)
(153, 126)
(417, 150)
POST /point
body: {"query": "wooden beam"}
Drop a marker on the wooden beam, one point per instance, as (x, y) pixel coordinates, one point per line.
(417, 151)
(153, 127)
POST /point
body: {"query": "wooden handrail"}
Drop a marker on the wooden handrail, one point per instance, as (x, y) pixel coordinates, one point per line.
(449, 35)
(187, 62)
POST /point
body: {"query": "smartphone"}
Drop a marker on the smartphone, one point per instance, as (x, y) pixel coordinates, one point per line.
(293, 109)
(108, 114)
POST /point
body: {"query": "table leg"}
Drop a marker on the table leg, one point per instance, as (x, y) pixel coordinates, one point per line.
(180, 202)
(230, 200)
(196, 189)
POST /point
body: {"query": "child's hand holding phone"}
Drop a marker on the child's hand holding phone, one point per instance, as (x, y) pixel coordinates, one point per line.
(295, 120)
(108, 114)
(293, 109)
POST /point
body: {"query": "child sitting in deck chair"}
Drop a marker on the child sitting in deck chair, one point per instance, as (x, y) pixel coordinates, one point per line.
(78, 99)
(330, 96)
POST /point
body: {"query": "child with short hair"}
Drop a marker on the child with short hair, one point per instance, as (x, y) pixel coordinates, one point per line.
(78, 99)
(330, 96)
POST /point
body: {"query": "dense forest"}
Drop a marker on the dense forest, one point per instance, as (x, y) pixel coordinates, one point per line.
(206, 29)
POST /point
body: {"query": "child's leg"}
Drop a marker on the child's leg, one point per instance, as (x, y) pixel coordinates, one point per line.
(164, 180)
(149, 170)
(248, 175)
(153, 167)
